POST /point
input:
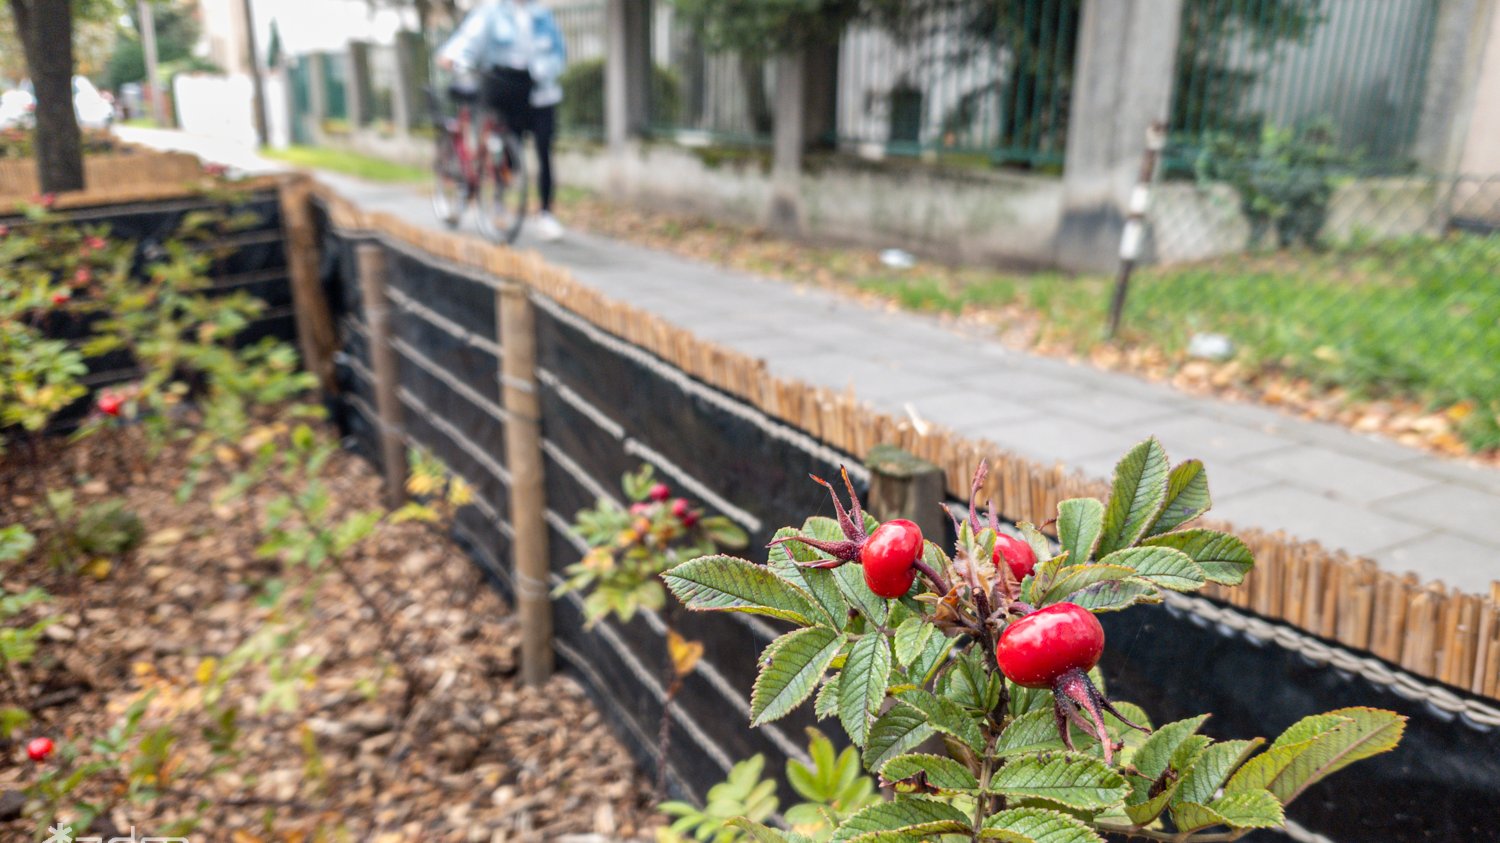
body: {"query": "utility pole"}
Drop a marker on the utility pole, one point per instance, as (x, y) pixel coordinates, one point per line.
(153, 76)
(257, 83)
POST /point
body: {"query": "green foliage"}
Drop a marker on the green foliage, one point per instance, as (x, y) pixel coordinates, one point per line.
(629, 549)
(895, 674)
(1285, 179)
(832, 788)
(582, 107)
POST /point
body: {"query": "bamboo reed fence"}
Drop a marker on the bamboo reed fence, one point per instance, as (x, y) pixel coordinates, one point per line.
(1428, 629)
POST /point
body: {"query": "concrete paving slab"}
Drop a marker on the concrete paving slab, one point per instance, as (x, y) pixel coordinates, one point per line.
(1308, 515)
(1339, 475)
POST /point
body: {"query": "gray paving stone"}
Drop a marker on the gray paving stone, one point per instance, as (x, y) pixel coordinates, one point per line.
(1112, 408)
(1455, 560)
(1050, 439)
(1214, 442)
(1338, 475)
(1308, 515)
(1450, 509)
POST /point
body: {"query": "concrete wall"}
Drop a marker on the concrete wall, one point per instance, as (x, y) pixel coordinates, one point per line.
(956, 215)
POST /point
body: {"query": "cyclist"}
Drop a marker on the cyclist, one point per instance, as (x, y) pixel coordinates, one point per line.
(519, 53)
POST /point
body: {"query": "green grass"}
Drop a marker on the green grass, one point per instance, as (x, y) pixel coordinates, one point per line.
(1413, 319)
(140, 123)
(349, 163)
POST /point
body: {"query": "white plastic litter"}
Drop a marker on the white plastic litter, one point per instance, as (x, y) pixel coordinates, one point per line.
(898, 259)
(1211, 347)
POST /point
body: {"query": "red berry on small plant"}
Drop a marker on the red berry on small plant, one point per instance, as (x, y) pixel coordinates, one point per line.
(640, 508)
(1016, 553)
(1055, 647)
(60, 297)
(4, 230)
(660, 492)
(94, 242)
(83, 276)
(890, 556)
(47, 200)
(680, 508)
(690, 518)
(37, 749)
(110, 403)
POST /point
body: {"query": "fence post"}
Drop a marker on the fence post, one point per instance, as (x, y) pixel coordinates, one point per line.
(523, 450)
(789, 138)
(358, 93)
(903, 485)
(317, 96)
(316, 338)
(1122, 83)
(372, 267)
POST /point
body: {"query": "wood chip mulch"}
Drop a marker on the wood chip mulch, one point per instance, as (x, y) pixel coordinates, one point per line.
(481, 758)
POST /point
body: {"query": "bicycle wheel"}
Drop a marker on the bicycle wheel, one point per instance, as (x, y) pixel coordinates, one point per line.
(502, 191)
(449, 193)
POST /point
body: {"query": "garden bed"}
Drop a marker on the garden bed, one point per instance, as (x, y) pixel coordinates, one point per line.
(480, 758)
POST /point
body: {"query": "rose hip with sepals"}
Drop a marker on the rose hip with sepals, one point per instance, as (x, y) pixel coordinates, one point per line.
(889, 557)
(37, 749)
(110, 403)
(1017, 554)
(1055, 647)
(680, 508)
(660, 492)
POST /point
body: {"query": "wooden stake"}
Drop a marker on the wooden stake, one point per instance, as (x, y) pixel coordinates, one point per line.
(371, 262)
(316, 337)
(523, 450)
(903, 486)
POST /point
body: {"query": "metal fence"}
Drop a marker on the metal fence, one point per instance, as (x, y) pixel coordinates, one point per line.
(1355, 67)
(700, 96)
(582, 24)
(991, 79)
(1327, 287)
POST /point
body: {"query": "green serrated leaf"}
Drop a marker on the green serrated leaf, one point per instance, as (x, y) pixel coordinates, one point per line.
(1364, 732)
(1114, 595)
(1250, 809)
(862, 685)
(900, 728)
(851, 583)
(1034, 731)
(1080, 521)
(1074, 781)
(727, 584)
(1160, 566)
(1156, 753)
(1076, 578)
(1139, 493)
(941, 771)
(911, 639)
(790, 668)
(911, 815)
(827, 703)
(1224, 558)
(819, 582)
(1042, 826)
(947, 717)
(1201, 781)
(760, 833)
(1190, 817)
(925, 665)
(1187, 497)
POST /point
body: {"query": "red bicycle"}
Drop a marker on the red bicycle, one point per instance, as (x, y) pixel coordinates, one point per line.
(484, 167)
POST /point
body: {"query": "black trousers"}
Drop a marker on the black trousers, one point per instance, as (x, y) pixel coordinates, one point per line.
(508, 92)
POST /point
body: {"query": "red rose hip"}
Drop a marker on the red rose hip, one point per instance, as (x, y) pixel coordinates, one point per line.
(110, 404)
(1055, 647)
(37, 749)
(680, 508)
(1017, 554)
(660, 492)
(1038, 649)
(890, 556)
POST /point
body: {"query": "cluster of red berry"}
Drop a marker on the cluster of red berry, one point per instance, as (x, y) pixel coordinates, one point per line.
(1052, 647)
(681, 509)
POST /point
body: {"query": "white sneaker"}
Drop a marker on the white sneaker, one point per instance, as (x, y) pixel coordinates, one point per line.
(547, 227)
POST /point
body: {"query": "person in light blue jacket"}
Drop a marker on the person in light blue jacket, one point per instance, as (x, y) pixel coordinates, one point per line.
(518, 52)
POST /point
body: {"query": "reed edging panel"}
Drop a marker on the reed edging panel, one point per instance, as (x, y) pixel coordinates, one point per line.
(1349, 609)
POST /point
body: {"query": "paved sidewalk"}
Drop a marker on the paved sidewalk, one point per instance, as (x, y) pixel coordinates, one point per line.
(1398, 506)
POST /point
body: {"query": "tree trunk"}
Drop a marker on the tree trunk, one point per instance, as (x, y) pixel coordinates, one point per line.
(46, 30)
